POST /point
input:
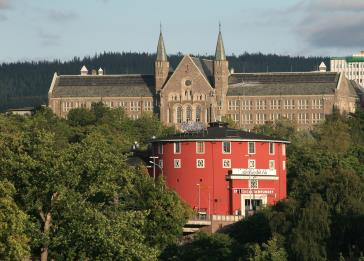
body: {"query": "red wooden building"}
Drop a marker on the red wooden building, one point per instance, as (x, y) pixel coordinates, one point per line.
(223, 171)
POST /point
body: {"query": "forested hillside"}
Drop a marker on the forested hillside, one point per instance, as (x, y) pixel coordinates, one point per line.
(27, 83)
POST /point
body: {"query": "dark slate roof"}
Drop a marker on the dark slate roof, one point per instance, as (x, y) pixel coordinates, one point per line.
(128, 85)
(266, 84)
(205, 66)
(218, 131)
(356, 88)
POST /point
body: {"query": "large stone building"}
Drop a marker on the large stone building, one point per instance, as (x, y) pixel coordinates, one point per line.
(201, 90)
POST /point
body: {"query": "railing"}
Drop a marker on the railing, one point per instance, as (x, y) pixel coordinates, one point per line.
(202, 215)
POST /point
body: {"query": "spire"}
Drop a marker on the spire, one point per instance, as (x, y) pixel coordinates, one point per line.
(161, 50)
(220, 51)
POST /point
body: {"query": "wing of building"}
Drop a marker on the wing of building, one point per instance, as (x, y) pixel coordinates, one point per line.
(203, 91)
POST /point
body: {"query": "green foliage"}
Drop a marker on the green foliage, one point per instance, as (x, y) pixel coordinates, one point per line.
(269, 251)
(83, 199)
(13, 221)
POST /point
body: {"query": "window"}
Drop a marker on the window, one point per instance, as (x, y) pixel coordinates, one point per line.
(303, 118)
(226, 163)
(198, 114)
(246, 105)
(135, 116)
(200, 147)
(261, 105)
(226, 147)
(317, 117)
(271, 148)
(251, 164)
(275, 116)
(284, 165)
(235, 117)
(135, 106)
(177, 148)
(253, 183)
(272, 164)
(177, 163)
(67, 106)
(161, 163)
(275, 104)
(251, 147)
(147, 105)
(283, 149)
(179, 114)
(247, 118)
(234, 105)
(188, 113)
(288, 104)
(303, 104)
(160, 148)
(260, 118)
(123, 104)
(200, 163)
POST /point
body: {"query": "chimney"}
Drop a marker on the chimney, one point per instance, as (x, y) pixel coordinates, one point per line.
(322, 67)
(101, 71)
(84, 71)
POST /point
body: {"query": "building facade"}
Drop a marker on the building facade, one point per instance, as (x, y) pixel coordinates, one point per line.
(203, 91)
(351, 66)
(223, 171)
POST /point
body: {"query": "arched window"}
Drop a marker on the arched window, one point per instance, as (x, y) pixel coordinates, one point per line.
(188, 113)
(198, 114)
(179, 114)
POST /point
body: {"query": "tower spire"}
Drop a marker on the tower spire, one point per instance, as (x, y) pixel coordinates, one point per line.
(220, 50)
(161, 50)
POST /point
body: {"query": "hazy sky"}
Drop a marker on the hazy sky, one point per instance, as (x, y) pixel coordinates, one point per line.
(62, 29)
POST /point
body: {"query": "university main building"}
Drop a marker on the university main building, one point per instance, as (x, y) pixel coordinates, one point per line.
(201, 90)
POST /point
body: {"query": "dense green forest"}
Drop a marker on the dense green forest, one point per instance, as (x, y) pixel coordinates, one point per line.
(27, 83)
(70, 191)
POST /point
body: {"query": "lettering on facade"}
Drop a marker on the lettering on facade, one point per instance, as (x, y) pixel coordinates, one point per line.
(254, 172)
(255, 191)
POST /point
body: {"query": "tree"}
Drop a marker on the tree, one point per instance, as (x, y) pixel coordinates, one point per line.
(269, 251)
(14, 243)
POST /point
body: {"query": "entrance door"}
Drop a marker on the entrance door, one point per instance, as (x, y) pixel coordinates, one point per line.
(252, 203)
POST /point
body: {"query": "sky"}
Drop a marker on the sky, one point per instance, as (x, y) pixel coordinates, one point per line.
(32, 30)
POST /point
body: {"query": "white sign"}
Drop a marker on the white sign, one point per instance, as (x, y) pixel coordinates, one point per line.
(255, 191)
(254, 172)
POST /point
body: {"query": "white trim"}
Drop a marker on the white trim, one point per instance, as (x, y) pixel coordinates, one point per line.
(174, 148)
(216, 140)
(255, 148)
(223, 164)
(243, 197)
(200, 167)
(241, 177)
(177, 166)
(52, 85)
(203, 145)
(274, 148)
(222, 147)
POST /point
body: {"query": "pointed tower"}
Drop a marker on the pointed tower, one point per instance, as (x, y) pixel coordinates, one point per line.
(221, 75)
(161, 65)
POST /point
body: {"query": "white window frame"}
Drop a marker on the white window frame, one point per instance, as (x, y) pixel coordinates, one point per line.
(225, 166)
(175, 147)
(271, 145)
(177, 163)
(251, 164)
(253, 184)
(199, 166)
(251, 142)
(203, 147)
(223, 149)
(284, 165)
(161, 163)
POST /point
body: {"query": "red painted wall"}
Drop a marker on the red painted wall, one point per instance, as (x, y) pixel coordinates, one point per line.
(216, 193)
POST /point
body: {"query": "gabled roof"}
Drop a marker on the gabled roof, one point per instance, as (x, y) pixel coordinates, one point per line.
(127, 85)
(266, 84)
(206, 67)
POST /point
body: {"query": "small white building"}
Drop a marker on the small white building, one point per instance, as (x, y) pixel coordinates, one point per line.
(351, 66)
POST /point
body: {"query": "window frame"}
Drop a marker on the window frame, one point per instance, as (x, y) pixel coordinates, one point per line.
(203, 165)
(271, 145)
(274, 164)
(179, 165)
(223, 165)
(254, 163)
(175, 147)
(203, 147)
(223, 147)
(251, 142)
